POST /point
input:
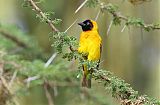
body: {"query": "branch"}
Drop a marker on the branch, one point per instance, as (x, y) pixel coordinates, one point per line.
(14, 39)
(121, 90)
(48, 95)
(39, 11)
(135, 2)
(126, 19)
(117, 17)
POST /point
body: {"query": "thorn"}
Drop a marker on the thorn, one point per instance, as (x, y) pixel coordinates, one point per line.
(81, 6)
(70, 26)
(109, 28)
(78, 75)
(50, 60)
(97, 15)
(123, 28)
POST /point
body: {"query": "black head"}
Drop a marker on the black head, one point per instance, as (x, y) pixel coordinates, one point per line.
(86, 25)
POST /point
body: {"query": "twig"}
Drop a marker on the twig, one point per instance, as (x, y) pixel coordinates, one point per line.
(14, 39)
(13, 78)
(81, 6)
(135, 2)
(48, 95)
(4, 83)
(37, 9)
(109, 27)
(126, 19)
(28, 80)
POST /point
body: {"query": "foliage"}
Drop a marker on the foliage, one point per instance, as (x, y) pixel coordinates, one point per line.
(92, 3)
(29, 71)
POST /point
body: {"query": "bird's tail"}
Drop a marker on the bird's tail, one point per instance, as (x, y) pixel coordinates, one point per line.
(87, 76)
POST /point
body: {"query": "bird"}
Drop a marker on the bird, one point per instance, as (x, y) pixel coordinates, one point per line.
(90, 45)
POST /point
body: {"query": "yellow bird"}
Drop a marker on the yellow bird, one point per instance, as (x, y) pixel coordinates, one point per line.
(89, 45)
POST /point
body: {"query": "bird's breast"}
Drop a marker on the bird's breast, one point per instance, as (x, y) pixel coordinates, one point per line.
(89, 40)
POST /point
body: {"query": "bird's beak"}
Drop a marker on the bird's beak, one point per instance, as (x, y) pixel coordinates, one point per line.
(81, 24)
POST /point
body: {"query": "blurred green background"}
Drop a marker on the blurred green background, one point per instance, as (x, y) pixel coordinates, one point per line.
(133, 55)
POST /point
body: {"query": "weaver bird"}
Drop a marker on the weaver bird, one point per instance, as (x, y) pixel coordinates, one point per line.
(90, 47)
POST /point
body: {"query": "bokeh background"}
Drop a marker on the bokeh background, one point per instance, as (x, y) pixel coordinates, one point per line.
(133, 55)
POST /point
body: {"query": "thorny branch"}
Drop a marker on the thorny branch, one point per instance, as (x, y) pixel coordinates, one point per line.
(122, 17)
(39, 11)
(117, 15)
(123, 97)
